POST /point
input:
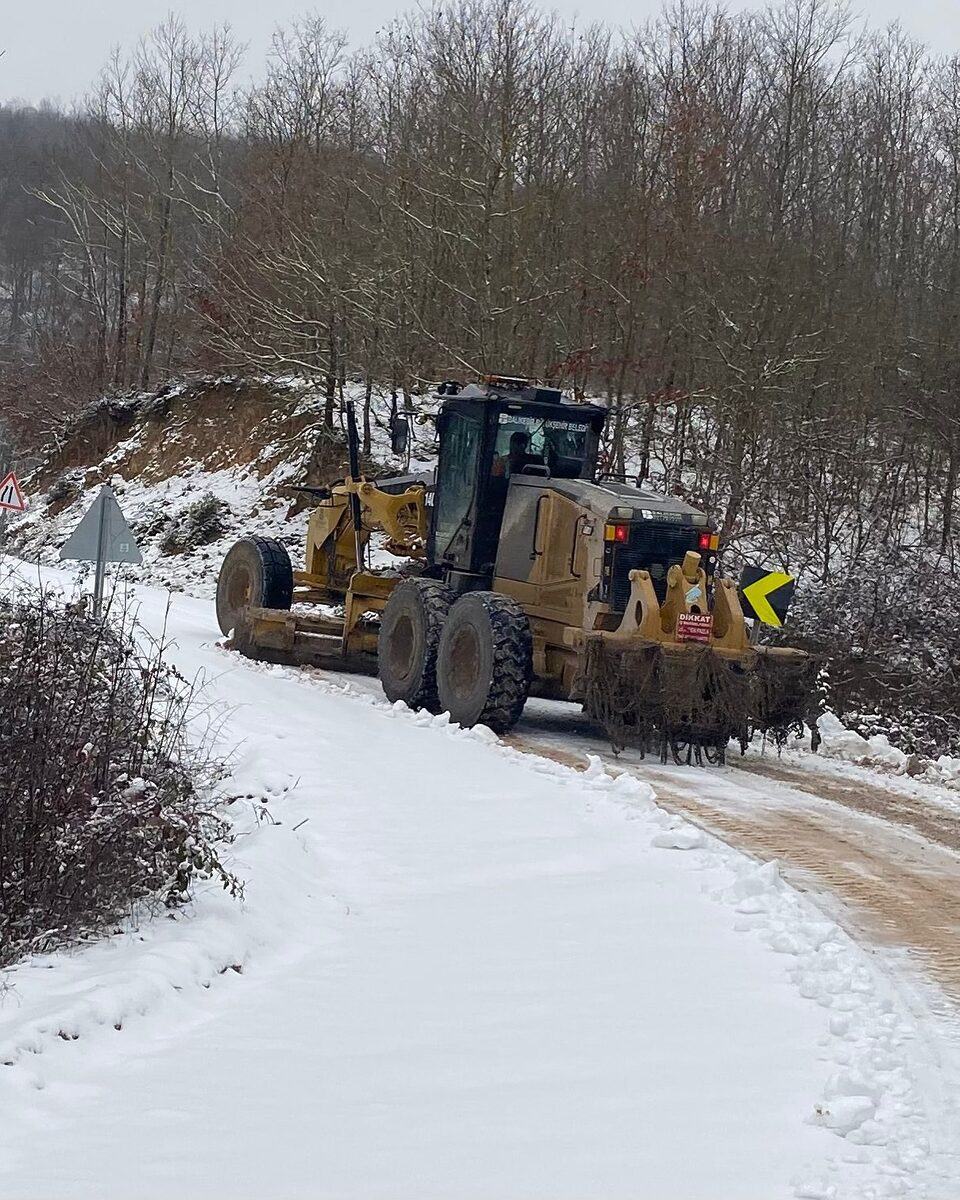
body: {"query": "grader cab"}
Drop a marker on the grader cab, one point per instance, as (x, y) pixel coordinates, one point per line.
(519, 571)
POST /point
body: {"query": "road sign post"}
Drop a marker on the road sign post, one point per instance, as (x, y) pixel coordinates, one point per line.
(101, 569)
(103, 536)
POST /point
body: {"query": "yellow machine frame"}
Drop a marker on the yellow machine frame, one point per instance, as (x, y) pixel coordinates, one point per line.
(331, 576)
(334, 548)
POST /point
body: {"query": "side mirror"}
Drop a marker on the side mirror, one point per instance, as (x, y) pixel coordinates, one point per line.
(399, 434)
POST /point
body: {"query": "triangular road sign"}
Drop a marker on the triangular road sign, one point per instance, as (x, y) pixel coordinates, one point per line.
(12, 498)
(103, 526)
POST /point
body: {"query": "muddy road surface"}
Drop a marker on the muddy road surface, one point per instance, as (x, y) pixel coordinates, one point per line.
(881, 853)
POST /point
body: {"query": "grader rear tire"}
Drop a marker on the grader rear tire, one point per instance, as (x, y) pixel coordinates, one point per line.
(486, 661)
(256, 573)
(409, 639)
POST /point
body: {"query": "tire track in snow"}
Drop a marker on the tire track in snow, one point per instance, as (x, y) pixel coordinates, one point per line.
(934, 822)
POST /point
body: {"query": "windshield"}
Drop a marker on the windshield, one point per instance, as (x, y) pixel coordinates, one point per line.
(552, 442)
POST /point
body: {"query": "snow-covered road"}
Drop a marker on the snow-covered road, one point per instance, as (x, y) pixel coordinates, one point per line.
(460, 971)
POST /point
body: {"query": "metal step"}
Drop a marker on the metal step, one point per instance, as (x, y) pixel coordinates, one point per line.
(320, 643)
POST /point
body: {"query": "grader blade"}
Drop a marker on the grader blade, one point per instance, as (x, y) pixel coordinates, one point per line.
(302, 640)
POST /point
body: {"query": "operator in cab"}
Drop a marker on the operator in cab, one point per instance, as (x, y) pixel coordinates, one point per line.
(516, 458)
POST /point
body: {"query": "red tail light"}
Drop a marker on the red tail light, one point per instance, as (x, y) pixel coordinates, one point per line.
(704, 541)
(621, 533)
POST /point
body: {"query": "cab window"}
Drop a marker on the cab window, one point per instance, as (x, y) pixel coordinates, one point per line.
(560, 445)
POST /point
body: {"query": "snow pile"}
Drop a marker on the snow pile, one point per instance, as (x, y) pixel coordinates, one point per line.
(876, 753)
(839, 742)
(948, 768)
(843, 749)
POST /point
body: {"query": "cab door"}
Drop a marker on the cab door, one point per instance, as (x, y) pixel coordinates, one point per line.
(455, 501)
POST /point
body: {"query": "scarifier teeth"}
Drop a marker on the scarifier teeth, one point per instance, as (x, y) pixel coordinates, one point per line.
(688, 701)
(784, 687)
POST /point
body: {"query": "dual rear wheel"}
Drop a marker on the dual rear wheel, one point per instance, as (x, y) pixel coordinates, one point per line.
(470, 656)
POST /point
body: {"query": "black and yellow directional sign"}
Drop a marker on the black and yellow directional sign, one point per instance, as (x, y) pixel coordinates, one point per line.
(766, 595)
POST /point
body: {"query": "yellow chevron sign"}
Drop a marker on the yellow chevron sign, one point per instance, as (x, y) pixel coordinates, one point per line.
(766, 595)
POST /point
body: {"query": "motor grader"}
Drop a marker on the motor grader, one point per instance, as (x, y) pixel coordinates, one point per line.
(519, 571)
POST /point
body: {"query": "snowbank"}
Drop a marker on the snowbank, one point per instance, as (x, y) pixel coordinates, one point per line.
(840, 742)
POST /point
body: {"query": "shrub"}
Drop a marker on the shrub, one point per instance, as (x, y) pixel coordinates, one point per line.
(199, 524)
(100, 789)
(887, 629)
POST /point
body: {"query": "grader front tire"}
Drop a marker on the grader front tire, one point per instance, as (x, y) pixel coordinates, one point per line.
(486, 661)
(255, 573)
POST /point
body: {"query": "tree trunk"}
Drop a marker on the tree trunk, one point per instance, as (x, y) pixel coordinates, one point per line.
(158, 285)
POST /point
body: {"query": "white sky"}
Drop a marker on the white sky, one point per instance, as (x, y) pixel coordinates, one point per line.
(55, 48)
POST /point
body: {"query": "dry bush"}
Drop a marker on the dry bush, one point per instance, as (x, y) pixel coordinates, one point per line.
(887, 632)
(101, 791)
(199, 524)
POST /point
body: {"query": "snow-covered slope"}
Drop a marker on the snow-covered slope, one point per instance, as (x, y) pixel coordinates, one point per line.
(244, 445)
(459, 971)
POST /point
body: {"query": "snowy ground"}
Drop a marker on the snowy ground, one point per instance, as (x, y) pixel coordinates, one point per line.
(462, 971)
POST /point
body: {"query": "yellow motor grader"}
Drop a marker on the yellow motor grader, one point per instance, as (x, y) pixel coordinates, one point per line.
(520, 572)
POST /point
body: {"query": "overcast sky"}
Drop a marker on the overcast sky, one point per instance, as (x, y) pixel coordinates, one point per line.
(55, 48)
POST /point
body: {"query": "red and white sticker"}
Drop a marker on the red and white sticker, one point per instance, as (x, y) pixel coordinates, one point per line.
(12, 498)
(694, 627)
